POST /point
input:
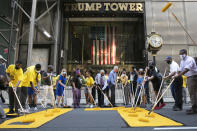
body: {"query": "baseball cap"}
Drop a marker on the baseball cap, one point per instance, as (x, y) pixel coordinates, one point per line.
(168, 58)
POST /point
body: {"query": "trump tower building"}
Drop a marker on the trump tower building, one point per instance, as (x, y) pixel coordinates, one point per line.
(95, 34)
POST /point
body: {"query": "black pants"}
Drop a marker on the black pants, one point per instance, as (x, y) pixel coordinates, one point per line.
(100, 97)
(54, 91)
(112, 88)
(23, 96)
(177, 87)
(13, 102)
(94, 93)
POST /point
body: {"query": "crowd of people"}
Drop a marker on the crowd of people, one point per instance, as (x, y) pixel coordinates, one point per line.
(24, 87)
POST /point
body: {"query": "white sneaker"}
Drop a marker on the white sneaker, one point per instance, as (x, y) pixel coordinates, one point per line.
(91, 106)
(35, 108)
(28, 108)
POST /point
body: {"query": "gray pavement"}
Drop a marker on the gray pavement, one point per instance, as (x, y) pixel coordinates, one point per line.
(80, 120)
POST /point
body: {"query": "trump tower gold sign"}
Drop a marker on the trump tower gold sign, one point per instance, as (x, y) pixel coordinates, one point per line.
(104, 7)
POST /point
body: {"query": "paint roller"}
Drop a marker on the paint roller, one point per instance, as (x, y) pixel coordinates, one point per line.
(105, 96)
(160, 86)
(29, 120)
(160, 97)
(123, 94)
(173, 14)
(91, 96)
(143, 120)
(166, 7)
(22, 109)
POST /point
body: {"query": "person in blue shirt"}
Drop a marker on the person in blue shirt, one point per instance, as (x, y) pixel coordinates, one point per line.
(140, 85)
(60, 87)
(112, 83)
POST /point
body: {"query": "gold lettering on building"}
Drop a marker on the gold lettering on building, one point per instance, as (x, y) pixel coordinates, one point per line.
(114, 7)
(90, 6)
(132, 7)
(98, 6)
(123, 6)
(106, 5)
(139, 7)
(81, 6)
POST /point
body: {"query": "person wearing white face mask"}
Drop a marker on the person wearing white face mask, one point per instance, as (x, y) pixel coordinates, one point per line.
(188, 68)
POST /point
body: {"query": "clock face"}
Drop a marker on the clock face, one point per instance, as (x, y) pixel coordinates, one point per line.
(155, 41)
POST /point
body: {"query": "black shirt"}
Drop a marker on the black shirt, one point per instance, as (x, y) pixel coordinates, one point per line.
(48, 80)
(156, 79)
(78, 81)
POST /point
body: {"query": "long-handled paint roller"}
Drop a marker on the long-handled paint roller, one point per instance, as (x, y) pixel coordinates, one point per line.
(160, 86)
(132, 94)
(91, 96)
(21, 107)
(173, 14)
(24, 120)
(105, 96)
(141, 89)
(160, 97)
(123, 94)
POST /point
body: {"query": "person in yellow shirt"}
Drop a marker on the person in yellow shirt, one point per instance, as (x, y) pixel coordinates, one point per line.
(184, 89)
(31, 86)
(55, 80)
(89, 84)
(14, 76)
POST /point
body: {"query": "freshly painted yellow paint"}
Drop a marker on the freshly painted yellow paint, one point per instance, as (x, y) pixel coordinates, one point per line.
(35, 119)
(139, 117)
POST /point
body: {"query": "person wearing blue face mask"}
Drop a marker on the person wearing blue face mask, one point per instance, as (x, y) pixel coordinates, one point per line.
(60, 87)
(188, 68)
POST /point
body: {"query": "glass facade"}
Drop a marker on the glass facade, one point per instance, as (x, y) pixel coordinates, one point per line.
(106, 43)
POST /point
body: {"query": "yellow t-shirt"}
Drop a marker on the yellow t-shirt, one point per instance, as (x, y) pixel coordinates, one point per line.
(30, 75)
(55, 81)
(184, 81)
(89, 81)
(15, 75)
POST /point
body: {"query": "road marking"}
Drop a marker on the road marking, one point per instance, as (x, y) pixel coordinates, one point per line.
(176, 128)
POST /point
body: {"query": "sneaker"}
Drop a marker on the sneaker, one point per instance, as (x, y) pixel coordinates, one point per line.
(177, 109)
(91, 106)
(157, 108)
(11, 112)
(191, 111)
(162, 105)
(35, 108)
(28, 107)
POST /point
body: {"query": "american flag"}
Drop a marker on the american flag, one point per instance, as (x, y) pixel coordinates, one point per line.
(103, 48)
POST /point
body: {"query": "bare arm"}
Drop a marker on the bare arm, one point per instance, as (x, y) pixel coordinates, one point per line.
(59, 81)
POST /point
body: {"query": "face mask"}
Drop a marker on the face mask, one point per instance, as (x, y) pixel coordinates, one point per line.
(37, 71)
(64, 73)
(16, 67)
(169, 62)
(183, 56)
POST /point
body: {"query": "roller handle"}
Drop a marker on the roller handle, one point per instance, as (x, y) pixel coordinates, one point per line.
(161, 96)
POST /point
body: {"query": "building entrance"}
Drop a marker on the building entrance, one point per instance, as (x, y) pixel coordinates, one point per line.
(104, 42)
